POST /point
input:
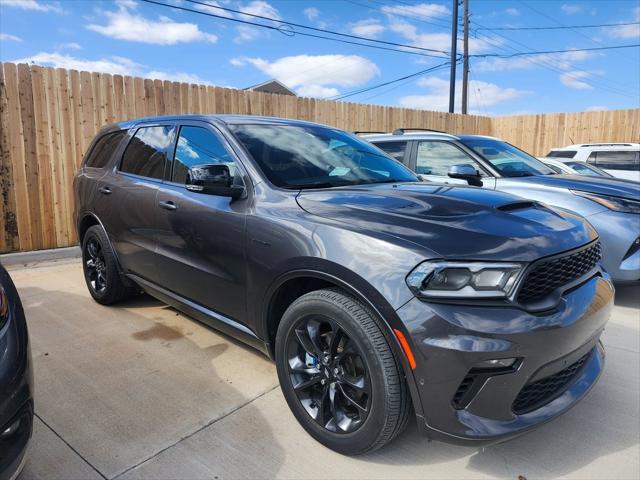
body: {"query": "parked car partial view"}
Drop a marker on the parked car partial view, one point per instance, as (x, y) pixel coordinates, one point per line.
(572, 167)
(611, 205)
(622, 160)
(378, 295)
(16, 381)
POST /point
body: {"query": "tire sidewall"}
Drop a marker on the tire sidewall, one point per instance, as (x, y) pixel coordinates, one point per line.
(367, 434)
(98, 234)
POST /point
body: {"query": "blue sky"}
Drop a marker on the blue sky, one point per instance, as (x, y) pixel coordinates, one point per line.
(132, 37)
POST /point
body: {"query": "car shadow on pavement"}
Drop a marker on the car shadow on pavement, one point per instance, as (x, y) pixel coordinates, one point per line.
(604, 422)
(127, 385)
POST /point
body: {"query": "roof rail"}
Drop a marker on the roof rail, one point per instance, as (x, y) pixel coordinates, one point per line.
(401, 131)
(606, 145)
(360, 132)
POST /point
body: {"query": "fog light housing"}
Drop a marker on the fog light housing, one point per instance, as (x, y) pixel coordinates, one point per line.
(11, 429)
(497, 363)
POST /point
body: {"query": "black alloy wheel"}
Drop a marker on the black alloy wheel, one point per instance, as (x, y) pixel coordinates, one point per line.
(101, 271)
(328, 374)
(95, 266)
(339, 373)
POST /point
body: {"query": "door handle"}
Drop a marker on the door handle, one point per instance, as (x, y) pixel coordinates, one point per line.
(168, 205)
(105, 190)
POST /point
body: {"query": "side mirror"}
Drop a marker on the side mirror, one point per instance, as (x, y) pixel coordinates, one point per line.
(466, 172)
(213, 179)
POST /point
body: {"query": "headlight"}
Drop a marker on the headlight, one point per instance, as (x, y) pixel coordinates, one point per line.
(442, 279)
(4, 307)
(619, 204)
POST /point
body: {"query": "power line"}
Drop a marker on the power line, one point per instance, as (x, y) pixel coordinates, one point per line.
(384, 84)
(299, 25)
(545, 64)
(541, 52)
(561, 27)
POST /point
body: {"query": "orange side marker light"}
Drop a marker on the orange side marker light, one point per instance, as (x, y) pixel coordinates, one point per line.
(406, 348)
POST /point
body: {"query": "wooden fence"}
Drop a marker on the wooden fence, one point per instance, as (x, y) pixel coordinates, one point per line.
(49, 116)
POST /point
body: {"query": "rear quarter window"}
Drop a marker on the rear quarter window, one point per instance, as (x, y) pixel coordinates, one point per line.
(103, 149)
(562, 153)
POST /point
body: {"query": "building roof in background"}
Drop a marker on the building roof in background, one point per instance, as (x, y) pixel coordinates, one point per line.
(273, 86)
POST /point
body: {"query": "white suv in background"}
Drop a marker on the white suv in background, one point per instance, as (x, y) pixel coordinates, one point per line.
(621, 160)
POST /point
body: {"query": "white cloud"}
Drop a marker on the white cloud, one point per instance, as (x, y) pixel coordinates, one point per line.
(69, 46)
(247, 33)
(514, 12)
(311, 13)
(317, 91)
(8, 37)
(421, 10)
(369, 28)
(571, 9)
(113, 65)
(439, 41)
(210, 8)
(124, 25)
(33, 5)
(309, 73)
(626, 31)
(596, 108)
(563, 60)
(437, 97)
(576, 80)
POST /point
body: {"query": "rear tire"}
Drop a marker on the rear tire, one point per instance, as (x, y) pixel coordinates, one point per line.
(100, 267)
(339, 374)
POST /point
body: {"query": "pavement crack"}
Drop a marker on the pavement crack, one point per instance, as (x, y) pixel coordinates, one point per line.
(70, 446)
(198, 430)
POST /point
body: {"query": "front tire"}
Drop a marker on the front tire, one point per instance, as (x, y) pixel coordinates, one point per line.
(100, 267)
(339, 374)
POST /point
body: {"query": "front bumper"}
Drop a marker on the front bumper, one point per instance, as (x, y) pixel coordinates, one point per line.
(16, 385)
(449, 341)
(618, 232)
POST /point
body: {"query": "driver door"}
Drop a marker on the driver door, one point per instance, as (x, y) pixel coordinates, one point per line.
(434, 158)
(201, 237)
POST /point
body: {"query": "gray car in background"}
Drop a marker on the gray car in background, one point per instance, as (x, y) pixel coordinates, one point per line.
(611, 205)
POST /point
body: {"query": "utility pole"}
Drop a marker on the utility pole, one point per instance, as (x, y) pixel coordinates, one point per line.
(454, 54)
(465, 57)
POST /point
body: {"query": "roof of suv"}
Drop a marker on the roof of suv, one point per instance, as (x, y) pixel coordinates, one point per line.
(226, 119)
(603, 146)
(421, 135)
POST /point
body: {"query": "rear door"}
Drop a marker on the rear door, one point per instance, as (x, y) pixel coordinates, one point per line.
(201, 237)
(127, 207)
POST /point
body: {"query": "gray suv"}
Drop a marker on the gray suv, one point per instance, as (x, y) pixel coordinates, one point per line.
(378, 296)
(611, 205)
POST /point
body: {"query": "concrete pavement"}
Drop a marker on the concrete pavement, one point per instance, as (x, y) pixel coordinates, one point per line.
(140, 391)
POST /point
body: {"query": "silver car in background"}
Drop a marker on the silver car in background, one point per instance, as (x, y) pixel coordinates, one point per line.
(611, 205)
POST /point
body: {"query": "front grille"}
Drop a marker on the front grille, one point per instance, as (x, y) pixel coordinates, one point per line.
(534, 395)
(546, 276)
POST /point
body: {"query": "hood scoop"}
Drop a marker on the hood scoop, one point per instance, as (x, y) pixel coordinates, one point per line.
(511, 207)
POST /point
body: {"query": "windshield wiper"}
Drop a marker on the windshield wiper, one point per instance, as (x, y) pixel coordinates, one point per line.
(303, 186)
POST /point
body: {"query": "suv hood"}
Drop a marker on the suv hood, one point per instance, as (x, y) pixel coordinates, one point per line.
(452, 222)
(602, 185)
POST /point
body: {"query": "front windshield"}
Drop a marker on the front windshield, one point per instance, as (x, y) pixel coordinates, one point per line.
(508, 160)
(297, 157)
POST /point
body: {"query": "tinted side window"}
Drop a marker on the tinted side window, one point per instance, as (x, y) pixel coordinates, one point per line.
(394, 149)
(103, 149)
(562, 153)
(147, 152)
(620, 160)
(198, 146)
(435, 158)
